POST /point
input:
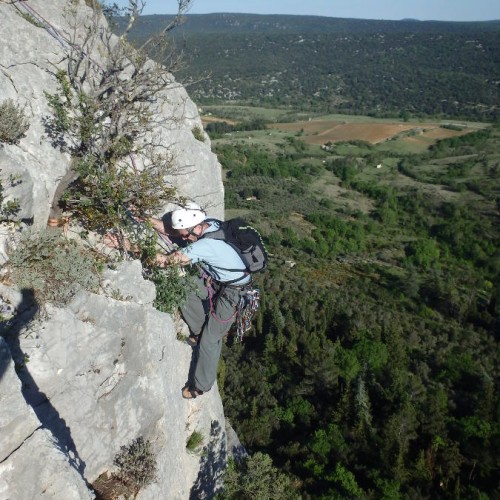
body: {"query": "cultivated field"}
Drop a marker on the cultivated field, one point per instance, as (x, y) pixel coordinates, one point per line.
(324, 131)
(410, 136)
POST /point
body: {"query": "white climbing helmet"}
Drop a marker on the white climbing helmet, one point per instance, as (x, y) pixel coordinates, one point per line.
(189, 216)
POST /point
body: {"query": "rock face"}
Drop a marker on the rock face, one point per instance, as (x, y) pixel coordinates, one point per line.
(33, 45)
(92, 377)
(101, 373)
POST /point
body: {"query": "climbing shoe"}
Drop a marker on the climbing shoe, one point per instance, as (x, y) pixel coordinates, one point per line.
(190, 392)
(192, 340)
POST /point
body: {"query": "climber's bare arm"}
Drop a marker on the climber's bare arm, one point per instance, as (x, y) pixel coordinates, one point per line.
(159, 226)
(163, 260)
(113, 240)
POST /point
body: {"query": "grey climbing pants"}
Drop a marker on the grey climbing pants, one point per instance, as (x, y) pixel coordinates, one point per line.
(196, 313)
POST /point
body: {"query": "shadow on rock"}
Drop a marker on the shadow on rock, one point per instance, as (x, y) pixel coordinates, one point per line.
(48, 415)
(212, 465)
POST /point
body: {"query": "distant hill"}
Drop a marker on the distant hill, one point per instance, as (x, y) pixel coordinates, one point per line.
(381, 68)
(286, 24)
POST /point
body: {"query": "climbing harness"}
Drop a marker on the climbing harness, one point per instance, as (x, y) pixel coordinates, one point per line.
(244, 312)
(210, 291)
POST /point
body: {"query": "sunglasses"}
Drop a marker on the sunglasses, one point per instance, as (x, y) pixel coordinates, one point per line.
(189, 232)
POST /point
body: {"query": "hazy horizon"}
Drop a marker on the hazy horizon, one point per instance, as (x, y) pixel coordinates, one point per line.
(423, 10)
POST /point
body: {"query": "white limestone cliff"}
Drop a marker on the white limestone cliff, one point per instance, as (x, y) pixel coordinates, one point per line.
(105, 369)
(102, 372)
(30, 54)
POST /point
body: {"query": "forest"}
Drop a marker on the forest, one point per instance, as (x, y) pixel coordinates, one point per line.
(368, 67)
(372, 367)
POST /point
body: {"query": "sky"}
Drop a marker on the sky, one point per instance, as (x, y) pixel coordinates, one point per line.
(424, 10)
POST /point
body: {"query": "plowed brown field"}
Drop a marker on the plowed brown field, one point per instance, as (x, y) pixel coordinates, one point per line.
(205, 120)
(323, 131)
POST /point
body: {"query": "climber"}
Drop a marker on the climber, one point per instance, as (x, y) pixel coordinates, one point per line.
(211, 307)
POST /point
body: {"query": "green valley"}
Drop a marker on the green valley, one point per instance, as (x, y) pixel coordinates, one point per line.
(368, 155)
(372, 369)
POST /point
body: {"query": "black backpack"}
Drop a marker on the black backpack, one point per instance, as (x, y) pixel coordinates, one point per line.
(245, 240)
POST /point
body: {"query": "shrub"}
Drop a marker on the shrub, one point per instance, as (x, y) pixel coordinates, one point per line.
(52, 266)
(136, 464)
(198, 134)
(32, 20)
(8, 208)
(103, 182)
(98, 197)
(195, 440)
(171, 288)
(13, 122)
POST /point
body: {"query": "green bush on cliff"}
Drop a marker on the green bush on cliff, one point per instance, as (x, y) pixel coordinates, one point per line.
(54, 267)
(13, 122)
(136, 464)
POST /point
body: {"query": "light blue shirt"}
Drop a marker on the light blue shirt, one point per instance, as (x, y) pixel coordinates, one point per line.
(216, 257)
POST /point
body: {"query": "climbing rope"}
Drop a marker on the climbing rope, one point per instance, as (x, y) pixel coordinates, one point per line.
(51, 30)
(210, 291)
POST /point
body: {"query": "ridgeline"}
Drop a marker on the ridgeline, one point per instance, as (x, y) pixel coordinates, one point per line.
(354, 66)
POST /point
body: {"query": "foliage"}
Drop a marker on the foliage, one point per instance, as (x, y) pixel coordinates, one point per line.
(246, 65)
(136, 464)
(218, 128)
(9, 208)
(99, 196)
(256, 478)
(194, 441)
(244, 161)
(54, 267)
(254, 67)
(198, 134)
(105, 120)
(13, 122)
(347, 482)
(171, 288)
(372, 367)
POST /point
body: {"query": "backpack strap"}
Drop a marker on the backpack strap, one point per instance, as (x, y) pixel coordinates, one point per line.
(231, 282)
(220, 236)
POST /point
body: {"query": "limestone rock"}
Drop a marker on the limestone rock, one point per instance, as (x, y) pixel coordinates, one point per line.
(38, 469)
(17, 419)
(107, 368)
(103, 372)
(128, 284)
(31, 466)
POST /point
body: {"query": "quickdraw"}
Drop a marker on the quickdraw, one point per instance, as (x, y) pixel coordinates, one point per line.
(248, 306)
